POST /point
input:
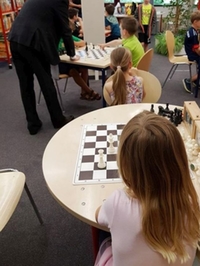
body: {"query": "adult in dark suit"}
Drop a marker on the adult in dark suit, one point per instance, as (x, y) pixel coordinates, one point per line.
(34, 39)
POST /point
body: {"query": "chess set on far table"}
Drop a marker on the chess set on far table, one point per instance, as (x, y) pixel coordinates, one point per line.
(96, 162)
(93, 51)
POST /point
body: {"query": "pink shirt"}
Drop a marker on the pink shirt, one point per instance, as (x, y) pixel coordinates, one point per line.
(122, 216)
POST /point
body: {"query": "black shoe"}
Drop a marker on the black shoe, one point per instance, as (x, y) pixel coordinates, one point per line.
(33, 130)
(187, 85)
(66, 120)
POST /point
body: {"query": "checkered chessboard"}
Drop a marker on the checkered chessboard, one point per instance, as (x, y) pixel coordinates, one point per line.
(95, 137)
(95, 53)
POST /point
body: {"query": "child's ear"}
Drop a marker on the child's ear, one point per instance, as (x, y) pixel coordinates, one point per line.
(111, 66)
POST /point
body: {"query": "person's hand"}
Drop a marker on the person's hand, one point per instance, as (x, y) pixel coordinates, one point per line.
(102, 46)
(75, 58)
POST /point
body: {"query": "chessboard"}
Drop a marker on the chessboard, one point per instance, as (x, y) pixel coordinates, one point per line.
(95, 144)
(93, 52)
(95, 137)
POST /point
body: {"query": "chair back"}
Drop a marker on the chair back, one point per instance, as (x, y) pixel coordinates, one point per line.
(145, 61)
(106, 94)
(55, 72)
(152, 87)
(170, 43)
(11, 187)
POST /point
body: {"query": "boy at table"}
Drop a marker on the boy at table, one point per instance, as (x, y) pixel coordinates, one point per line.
(128, 28)
(79, 74)
(76, 22)
(111, 23)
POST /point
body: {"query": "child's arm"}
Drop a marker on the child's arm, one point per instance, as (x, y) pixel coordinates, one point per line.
(197, 50)
(108, 27)
(71, 4)
(112, 43)
(80, 22)
(79, 44)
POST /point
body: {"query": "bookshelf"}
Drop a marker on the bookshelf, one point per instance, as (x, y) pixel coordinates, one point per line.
(8, 10)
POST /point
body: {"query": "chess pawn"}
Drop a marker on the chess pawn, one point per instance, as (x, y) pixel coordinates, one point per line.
(101, 164)
(193, 142)
(182, 133)
(189, 154)
(188, 143)
(195, 151)
(198, 159)
(198, 171)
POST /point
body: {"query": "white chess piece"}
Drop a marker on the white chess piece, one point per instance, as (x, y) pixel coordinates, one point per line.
(198, 159)
(101, 163)
(182, 132)
(111, 148)
(188, 143)
(195, 151)
(198, 171)
(189, 154)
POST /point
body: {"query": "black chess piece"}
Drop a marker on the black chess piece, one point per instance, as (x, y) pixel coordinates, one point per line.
(86, 48)
(93, 46)
(152, 108)
(160, 110)
(167, 107)
(171, 116)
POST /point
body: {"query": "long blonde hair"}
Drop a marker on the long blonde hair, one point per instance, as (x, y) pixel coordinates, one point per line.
(153, 164)
(120, 61)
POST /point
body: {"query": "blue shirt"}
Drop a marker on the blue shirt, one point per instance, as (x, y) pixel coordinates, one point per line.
(114, 25)
(191, 43)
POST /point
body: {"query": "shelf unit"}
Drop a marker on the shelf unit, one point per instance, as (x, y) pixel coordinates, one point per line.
(8, 10)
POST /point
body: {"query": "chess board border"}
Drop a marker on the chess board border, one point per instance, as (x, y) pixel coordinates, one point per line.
(76, 180)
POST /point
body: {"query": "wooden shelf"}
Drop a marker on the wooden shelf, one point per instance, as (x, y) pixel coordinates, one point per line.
(7, 15)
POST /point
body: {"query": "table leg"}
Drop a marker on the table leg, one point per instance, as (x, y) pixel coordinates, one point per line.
(196, 89)
(103, 71)
(95, 241)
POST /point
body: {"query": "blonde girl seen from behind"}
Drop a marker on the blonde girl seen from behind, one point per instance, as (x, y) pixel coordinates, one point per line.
(122, 87)
(153, 164)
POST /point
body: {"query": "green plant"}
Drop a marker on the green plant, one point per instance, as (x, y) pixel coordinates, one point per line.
(161, 45)
(178, 19)
(179, 12)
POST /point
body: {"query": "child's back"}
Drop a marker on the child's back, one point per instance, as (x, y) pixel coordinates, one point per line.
(112, 24)
(123, 87)
(128, 29)
(123, 215)
(134, 90)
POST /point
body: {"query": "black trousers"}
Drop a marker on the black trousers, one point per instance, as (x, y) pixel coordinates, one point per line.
(28, 62)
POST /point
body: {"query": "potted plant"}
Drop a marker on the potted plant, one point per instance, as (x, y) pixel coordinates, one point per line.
(178, 21)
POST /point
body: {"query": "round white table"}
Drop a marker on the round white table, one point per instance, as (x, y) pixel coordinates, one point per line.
(60, 158)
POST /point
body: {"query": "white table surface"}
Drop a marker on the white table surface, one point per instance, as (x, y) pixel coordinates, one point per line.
(101, 63)
(60, 157)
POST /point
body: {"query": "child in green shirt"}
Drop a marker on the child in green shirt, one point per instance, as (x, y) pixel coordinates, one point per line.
(128, 29)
